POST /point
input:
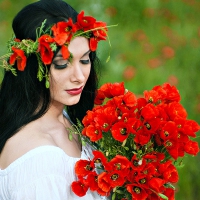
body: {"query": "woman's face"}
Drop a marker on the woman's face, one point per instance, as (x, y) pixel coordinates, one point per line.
(67, 79)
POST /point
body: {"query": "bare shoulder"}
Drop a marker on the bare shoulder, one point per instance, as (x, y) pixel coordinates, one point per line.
(34, 135)
(28, 138)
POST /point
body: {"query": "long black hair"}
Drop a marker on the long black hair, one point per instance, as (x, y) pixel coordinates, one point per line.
(23, 98)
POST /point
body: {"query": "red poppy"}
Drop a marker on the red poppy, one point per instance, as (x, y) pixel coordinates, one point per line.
(99, 157)
(120, 163)
(156, 184)
(103, 182)
(168, 172)
(129, 99)
(149, 112)
(18, 55)
(86, 22)
(149, 170)
(93, 42)
(113, 179)
(141, 102)
(176, 110)
(151, 96)
(101, 31)
(105, 88)
(83, 167)
(137, 164)
(45, 49)
(170, 193)
(63, 31)
(160, 92)
(190, 128)
(65, 52)
(137, 192)
(79, 188)
(142, 137)
(102, 193)
(17, 40)
(142, 180)
(133, 124)
(172, 93)
(163, 115)
(117, 89)
(116, 178)
(105, 117)
(99, 97)
(119, 131)
(155, 156)
(88, 119)
(93, 133)
(151, 126)
(172, 148)
(169, 131)
(92, 181)
(168, 52)
(192, 147)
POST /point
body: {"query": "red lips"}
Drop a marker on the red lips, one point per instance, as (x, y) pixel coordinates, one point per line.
(75, 91)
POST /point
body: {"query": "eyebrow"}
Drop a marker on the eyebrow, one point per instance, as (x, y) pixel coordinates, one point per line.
(86, 53)
(60, 55)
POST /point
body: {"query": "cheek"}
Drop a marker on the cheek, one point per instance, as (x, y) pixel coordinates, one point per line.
(87, 72)
(54, 83)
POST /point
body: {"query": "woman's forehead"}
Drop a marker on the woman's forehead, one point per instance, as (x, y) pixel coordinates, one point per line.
(78, 47)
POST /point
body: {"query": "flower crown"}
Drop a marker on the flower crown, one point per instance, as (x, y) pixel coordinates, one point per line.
(47, 42)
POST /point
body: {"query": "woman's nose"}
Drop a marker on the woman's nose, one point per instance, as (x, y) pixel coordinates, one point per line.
(77, 73)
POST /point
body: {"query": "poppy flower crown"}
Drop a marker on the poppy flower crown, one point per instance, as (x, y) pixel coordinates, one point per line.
(47, 42)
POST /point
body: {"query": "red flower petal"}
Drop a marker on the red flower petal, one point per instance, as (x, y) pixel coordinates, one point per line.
(79, 188)
(20, 57)
(93, 43)
(45, 49)
(65, 52)
(83, 167)
(87, 22)
(119, 131)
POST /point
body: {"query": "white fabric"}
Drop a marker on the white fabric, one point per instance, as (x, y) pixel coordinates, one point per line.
(44, 173)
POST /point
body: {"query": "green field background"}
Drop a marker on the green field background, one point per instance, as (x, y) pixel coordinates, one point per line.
(156, 41)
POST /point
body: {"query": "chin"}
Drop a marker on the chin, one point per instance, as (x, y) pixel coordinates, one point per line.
(73, 102)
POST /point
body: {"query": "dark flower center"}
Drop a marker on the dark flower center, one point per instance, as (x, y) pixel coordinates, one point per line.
(148, 126)
(143, 181)
(88, 168)
(123, 131)
(114, 177)
(137, 190)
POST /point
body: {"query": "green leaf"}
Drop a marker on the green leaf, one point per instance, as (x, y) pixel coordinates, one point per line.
(83, 143)
(119, 192)
(126, 148)
(113, 196)
(108, 59)
(47, 84)
(163, 196)
(70, 136)
(169, 185)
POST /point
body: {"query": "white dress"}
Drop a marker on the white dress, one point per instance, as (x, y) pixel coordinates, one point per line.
(44, 173)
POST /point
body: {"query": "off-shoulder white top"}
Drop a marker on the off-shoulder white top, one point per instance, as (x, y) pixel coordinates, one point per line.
(43, 173)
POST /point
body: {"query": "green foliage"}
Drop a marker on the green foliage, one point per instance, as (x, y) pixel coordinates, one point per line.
(156, 41)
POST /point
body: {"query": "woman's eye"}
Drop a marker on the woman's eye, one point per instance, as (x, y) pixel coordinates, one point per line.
(85, 62)
(58, 66)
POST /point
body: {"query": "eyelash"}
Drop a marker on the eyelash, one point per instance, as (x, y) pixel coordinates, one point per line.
(60, 66)
(84, 62)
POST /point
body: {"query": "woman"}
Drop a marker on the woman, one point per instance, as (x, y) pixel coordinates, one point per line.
(54, 58)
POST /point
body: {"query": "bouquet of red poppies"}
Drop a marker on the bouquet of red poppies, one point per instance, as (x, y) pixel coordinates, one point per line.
(137, 143)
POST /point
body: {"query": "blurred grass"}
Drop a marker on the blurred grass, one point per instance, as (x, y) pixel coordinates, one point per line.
(156, 41)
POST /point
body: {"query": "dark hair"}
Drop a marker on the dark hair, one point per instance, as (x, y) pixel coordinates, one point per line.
(23, 98)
